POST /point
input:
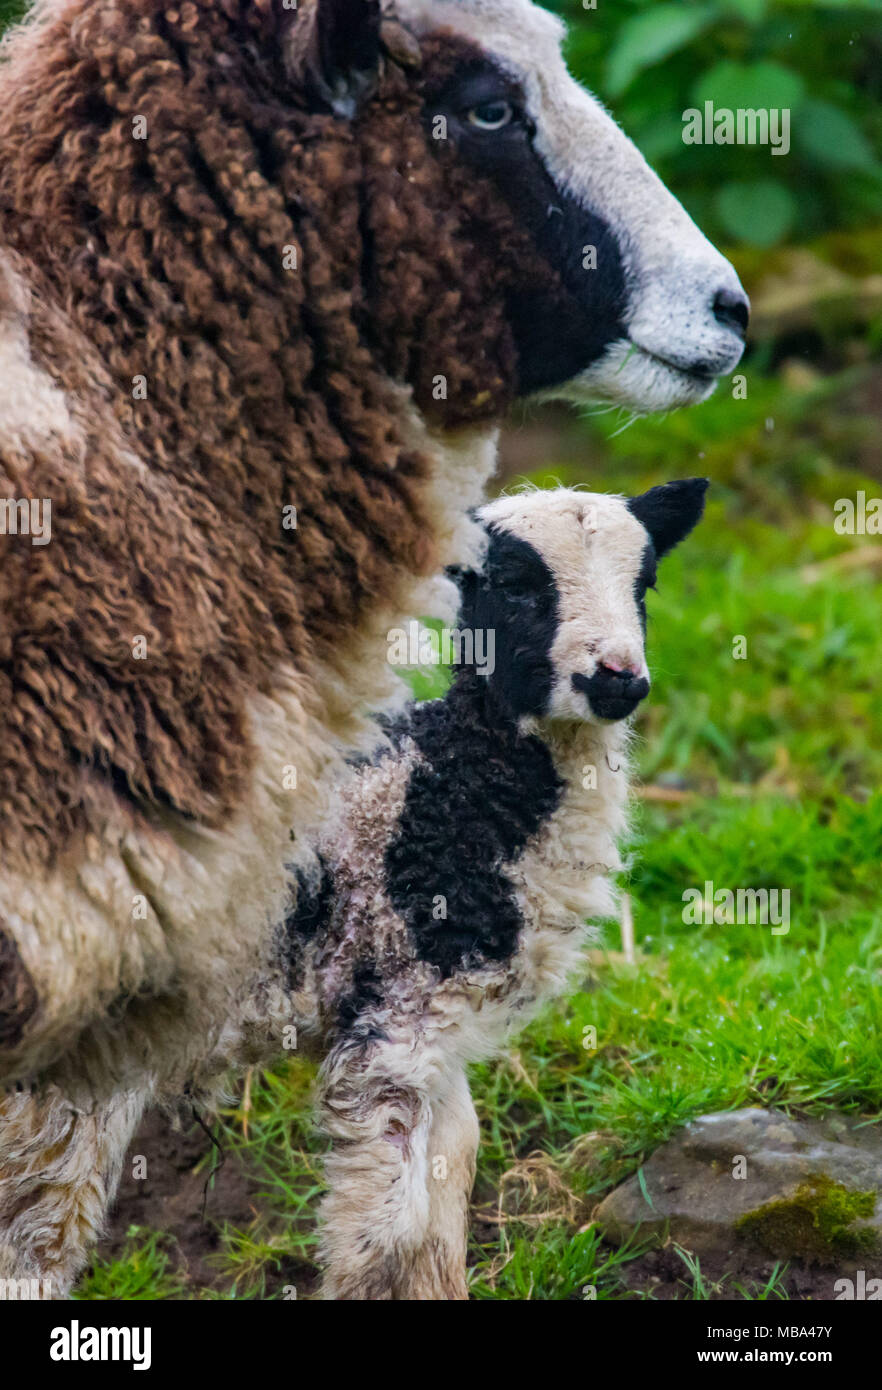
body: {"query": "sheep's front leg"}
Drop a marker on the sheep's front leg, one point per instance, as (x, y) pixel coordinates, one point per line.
(399, 1174)
(59, 1170)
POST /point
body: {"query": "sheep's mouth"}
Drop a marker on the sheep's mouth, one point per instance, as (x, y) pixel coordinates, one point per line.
(699, 375)
(640, 380)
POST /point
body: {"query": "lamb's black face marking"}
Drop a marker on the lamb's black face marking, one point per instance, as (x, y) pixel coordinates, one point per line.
(479, 794)
(612, 695)
(556, 336)
(646, 578)
(515, 597)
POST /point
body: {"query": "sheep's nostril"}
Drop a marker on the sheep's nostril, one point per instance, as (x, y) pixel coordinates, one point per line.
(732, 310)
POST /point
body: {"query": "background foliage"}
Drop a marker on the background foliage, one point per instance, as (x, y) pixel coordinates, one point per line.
(650, 61)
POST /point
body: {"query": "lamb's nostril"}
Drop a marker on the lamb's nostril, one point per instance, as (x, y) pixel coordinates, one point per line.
(637, 688)
(732, 310)
(624, 673)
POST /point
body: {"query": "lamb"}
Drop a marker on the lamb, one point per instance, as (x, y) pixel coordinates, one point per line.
(269, 278)
(449, 893)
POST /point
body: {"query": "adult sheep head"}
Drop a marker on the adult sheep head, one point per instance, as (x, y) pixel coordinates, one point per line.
(565, 266)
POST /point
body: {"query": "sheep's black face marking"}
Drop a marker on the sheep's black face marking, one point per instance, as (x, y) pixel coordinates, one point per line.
(515, 597)
(557, 334)
(478, 795)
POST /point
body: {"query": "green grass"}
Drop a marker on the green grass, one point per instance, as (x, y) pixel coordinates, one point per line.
(776, 760)
(144, 1270)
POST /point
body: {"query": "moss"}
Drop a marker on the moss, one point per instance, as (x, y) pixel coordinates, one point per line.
(815, 1223)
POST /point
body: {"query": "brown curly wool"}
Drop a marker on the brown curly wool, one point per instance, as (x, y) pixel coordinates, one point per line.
(18, 997)
(264, 387)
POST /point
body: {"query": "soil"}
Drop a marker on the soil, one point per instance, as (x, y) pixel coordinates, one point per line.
(663, 1275)
(171, 1199)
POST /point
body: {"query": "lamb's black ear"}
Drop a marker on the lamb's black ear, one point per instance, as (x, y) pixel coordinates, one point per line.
(334, 53)
(669, 512)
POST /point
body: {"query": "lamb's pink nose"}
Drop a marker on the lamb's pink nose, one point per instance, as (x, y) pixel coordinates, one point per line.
(621, 668)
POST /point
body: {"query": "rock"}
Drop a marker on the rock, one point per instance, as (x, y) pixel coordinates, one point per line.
(732, 1184)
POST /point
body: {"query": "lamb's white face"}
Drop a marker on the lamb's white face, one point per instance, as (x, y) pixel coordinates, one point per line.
(681, 320)
(564, 585)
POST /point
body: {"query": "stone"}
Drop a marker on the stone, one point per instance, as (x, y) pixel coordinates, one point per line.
(737, 1183)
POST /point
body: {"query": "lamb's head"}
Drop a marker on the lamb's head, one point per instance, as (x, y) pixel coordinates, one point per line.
(590, 280)
(562, 591)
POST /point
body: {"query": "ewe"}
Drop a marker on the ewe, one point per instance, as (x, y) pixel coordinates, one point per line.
(448, 895)
(269, 276)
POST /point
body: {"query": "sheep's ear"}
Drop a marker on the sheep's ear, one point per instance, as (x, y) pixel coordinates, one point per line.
(334, 53)
(669, 512)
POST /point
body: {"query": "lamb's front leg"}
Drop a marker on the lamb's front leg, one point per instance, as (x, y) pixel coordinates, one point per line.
(438, 1269)
(59, 1170)
(399, 1174)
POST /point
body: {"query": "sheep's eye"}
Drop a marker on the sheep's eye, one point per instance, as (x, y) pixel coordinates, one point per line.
(491, 115)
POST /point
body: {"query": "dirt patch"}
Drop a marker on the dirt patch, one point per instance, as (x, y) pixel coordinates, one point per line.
(662, 1275)
(170, 1199)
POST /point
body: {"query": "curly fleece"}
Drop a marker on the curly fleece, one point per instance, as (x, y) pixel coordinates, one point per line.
(163, 258)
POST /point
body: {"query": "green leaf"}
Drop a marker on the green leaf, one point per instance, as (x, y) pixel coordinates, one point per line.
(831, 137)
(749, 86)
(752, 11)
(760, 213)
(661, 139)
(650, 37)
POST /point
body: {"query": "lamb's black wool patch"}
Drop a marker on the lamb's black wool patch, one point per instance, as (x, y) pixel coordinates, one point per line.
(481, 791)
(313, 898)
(353, 1010)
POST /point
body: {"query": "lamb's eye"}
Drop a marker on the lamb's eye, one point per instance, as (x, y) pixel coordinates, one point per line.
(491, 115)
